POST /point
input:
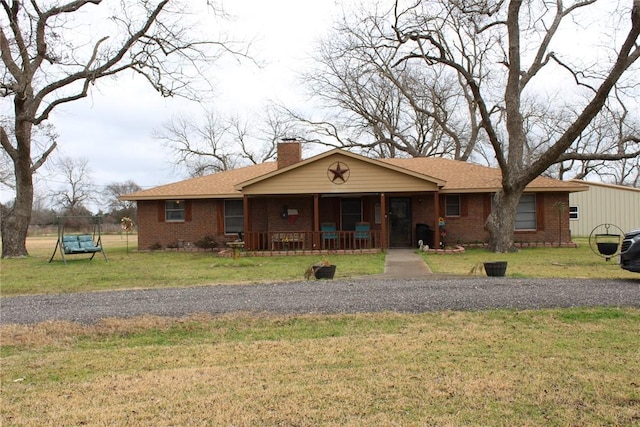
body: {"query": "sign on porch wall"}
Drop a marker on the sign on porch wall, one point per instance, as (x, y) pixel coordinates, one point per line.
(292, 215)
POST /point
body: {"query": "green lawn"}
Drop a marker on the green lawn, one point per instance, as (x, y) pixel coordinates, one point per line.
(580, 262)
(154, 269)
(128, 268)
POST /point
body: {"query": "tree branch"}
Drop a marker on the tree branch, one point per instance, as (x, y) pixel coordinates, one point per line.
(88, 74)
(43, 157)
(6, 144)
(628, 54)
(598, 156)
(542, 57)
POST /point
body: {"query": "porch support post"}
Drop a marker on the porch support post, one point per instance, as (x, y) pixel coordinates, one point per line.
(316, 221)
(436, 213)
(383, 227)
(248, 239)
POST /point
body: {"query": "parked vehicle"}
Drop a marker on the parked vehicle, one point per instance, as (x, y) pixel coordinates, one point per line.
(630, 251)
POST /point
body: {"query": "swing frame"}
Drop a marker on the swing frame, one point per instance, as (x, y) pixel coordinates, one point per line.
(78, 243)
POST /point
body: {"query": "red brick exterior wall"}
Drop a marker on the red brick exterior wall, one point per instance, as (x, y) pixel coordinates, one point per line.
(153, 230)
(270, 219)
(469, 226)
(205, 217)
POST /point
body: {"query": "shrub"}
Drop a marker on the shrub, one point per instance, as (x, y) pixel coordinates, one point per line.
(209, 242)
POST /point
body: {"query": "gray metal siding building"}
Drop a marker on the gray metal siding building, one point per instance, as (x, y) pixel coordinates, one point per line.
(604, 204)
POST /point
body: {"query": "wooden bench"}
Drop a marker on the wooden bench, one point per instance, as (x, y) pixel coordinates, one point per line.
(287, 241)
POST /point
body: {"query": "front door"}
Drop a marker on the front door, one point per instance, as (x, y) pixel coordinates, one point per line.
(400, 222)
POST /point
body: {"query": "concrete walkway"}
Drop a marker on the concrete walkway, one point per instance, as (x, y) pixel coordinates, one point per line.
(405, 263)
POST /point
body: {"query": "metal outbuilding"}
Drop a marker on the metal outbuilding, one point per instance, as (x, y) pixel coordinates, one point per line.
(603, 204)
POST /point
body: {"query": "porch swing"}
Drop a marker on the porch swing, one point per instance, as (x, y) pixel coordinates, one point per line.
(79, 243)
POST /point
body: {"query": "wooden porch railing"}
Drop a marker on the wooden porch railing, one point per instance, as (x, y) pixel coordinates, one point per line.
(298, 241)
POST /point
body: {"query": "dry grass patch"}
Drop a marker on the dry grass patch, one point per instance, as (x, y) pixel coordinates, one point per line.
(552, 367)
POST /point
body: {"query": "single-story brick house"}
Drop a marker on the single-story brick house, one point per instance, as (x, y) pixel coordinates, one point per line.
(339, 200)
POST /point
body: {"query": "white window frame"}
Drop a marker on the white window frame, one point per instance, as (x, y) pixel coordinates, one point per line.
(574, 213)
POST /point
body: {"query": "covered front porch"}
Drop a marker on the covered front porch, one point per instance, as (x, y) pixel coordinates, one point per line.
(337, 201)
(340, 222)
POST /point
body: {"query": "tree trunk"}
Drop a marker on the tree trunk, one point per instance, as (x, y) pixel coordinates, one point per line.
(15, 225)
(15, 222)
(16, 218)
(502, 220)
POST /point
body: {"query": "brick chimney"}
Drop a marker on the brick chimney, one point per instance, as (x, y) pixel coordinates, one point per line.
(289, 152)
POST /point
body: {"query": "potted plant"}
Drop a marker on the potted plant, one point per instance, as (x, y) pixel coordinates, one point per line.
(495, 268)
(322, 270)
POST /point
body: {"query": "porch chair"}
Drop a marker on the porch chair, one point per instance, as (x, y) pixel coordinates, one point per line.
(329, 235)
(363, 234)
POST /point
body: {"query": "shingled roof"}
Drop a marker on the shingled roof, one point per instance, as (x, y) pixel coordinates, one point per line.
(216, 185)
(458, 177)
(465, 177)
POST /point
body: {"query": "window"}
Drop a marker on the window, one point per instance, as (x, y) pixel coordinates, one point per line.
(526, 213)
(233, 217)
(574, 212)
(351, 213)
(174, 210)
(452, 205)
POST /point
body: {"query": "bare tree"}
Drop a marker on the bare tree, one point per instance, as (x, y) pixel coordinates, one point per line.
(608, 148)
(75, 186)
(200, 147)
(43, 213)
(518, 37)
(113, 191)
(625, 172)
(385, 110)
(215, 142)
(49, 60)
(260, 143)
(43, 143)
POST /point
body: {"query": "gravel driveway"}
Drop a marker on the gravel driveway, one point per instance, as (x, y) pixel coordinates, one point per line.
(333, 296)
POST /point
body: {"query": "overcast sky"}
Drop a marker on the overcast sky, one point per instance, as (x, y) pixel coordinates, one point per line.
(113, 127)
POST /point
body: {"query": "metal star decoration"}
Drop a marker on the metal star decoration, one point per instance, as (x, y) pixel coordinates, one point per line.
(338, 172)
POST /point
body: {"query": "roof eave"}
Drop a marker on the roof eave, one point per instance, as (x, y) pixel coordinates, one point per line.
(605, 185)
(567, 189)
(571, 189)
(182, 197)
